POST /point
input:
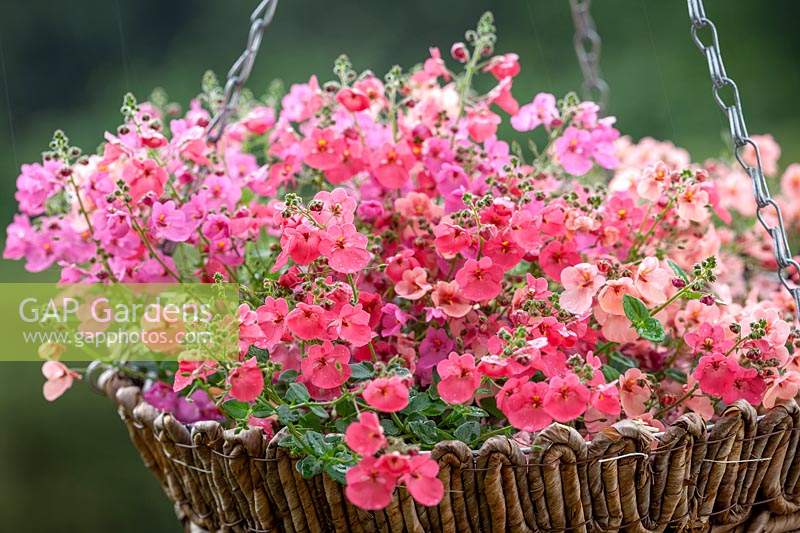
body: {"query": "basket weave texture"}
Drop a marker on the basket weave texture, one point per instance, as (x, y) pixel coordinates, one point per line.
(740, 475)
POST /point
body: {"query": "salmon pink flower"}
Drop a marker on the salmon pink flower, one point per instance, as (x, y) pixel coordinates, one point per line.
(322, 149)
(352, 99)
(524, 407)
(246, 381)
(272, 319)
(414, 284)
(59, 379)
(459, 378)
(716, 373)
(326, 365)
(259, 120)
(634, 392)
(482, 124)
(345, 248)
(581, 283)
(605, 399)
(422, 480)
(692, 204)
(144, 176)
(784, 388)
(480, 280)
(190, 370)
(353, 325)
(391, 166)
(387, 395)
(365, 437)
(612, 294)
(653, 182)
(447, 297)
(566, 398)
(309, 322)
(503, 66)
(541, 111)
(652, 281)
(369, 487)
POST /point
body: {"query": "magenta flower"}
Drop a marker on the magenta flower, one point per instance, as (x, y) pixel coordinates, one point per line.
(574, 150)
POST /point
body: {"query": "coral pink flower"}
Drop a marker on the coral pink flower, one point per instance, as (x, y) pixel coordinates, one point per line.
(345, 248)
(353, 325)
(391, 166)
(259, 120)
(605, 399)
(542, 110)
(169, 222)
(59, 379)
(692, 204)
(504, 250)
(784, 388)
(581, 283)
(447, 297)
(556, 255)
(352, 99)
(611, 296)
(716, 373)
(308, 322)
(322, 149)
(144, 176)
(422, 480)
(653, 182)
(503, 66)
(302, 244)
(414, 284)
(460, 378)
(652, 281)
(480, 280)
(368, 486)
(634, 392)
(417, 204)
(326, 365)
(387, 395)
(190, 370)
(482, 124)
(365, 437)
(566, 398)
(790, 181)
(272, 319)
(246, 381)
(524, 407)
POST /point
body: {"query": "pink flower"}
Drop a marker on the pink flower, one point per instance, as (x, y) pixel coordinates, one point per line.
(708, 338)
(59, 379)
(524, 407)
(345, 248)
(482, 124)
(352, 99)
(365, 437)
(169, 222)
(748, 385)
(387, 395)
(326, 365)
(391, 166)
(652, 281)
(556, 255)
(634, 392)
(460, 378)
(272, 319)
(503, 66)
(353, 325)
(368, 486)
(480, 280)
(612, 294)
(414, 284)
(190, 370)
(716, 373)
(422, 480)
(653, 182)
(692, 204)
(322, 149)
(581, 283)
(784, 388)
(246, 381)
(574, 150)
(447, 297)
(605, 399)
(309, 322)
(144, 176)
(542, 110)
(259, 120)
(566, 398)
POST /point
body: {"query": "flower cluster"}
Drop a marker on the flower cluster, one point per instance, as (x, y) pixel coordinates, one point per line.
(407, 277)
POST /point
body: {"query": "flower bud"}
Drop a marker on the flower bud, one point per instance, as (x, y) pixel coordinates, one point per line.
(459, 52)
(707, 300)
(678, 283)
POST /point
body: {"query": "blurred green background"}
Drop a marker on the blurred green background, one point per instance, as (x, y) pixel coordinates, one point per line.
(69, 466)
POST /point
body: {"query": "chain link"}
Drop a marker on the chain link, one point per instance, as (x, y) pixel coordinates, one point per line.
(587, 47)
(240, 71)
(767, 210)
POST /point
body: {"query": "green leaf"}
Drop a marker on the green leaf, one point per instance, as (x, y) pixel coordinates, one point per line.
(678, 270)
(309, 466)
(692, 295)
(361, 371)
(319, 411)
(187, 259)
(468, 431)
(263, 411)
(620, 362)
(288, 376)
(336, 471)
(676, 375)
(236, 409)
(287, 415)
(345, 407)
(652, 330)
(425, 430)
(316, 441)
(635, 309)
(419, 403)
(260, 354)
(610, 373)
(489, 404)
(297, 393)
(389, 427)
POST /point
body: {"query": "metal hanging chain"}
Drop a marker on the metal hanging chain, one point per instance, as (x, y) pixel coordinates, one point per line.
(240, 71)
(587, 47)
(733, 110)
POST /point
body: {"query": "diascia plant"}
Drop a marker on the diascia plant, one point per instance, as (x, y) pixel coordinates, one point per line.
(407, 277)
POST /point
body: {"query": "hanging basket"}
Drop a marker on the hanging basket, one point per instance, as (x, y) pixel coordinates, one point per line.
(739, 475)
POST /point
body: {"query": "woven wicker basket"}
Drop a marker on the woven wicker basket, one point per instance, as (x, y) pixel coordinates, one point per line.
(740, 475)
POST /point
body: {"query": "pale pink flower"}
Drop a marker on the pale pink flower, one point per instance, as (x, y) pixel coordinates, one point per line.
(692, 204)
(612, 294)
(653, 181)
(581, 283)
(542, 110)
(414, 284)
(652, 280)
(634, 392)
(59, 379)
(447, 297)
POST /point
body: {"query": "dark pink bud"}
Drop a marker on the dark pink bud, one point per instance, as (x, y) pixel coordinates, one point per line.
(678, 283)
(459, 52)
